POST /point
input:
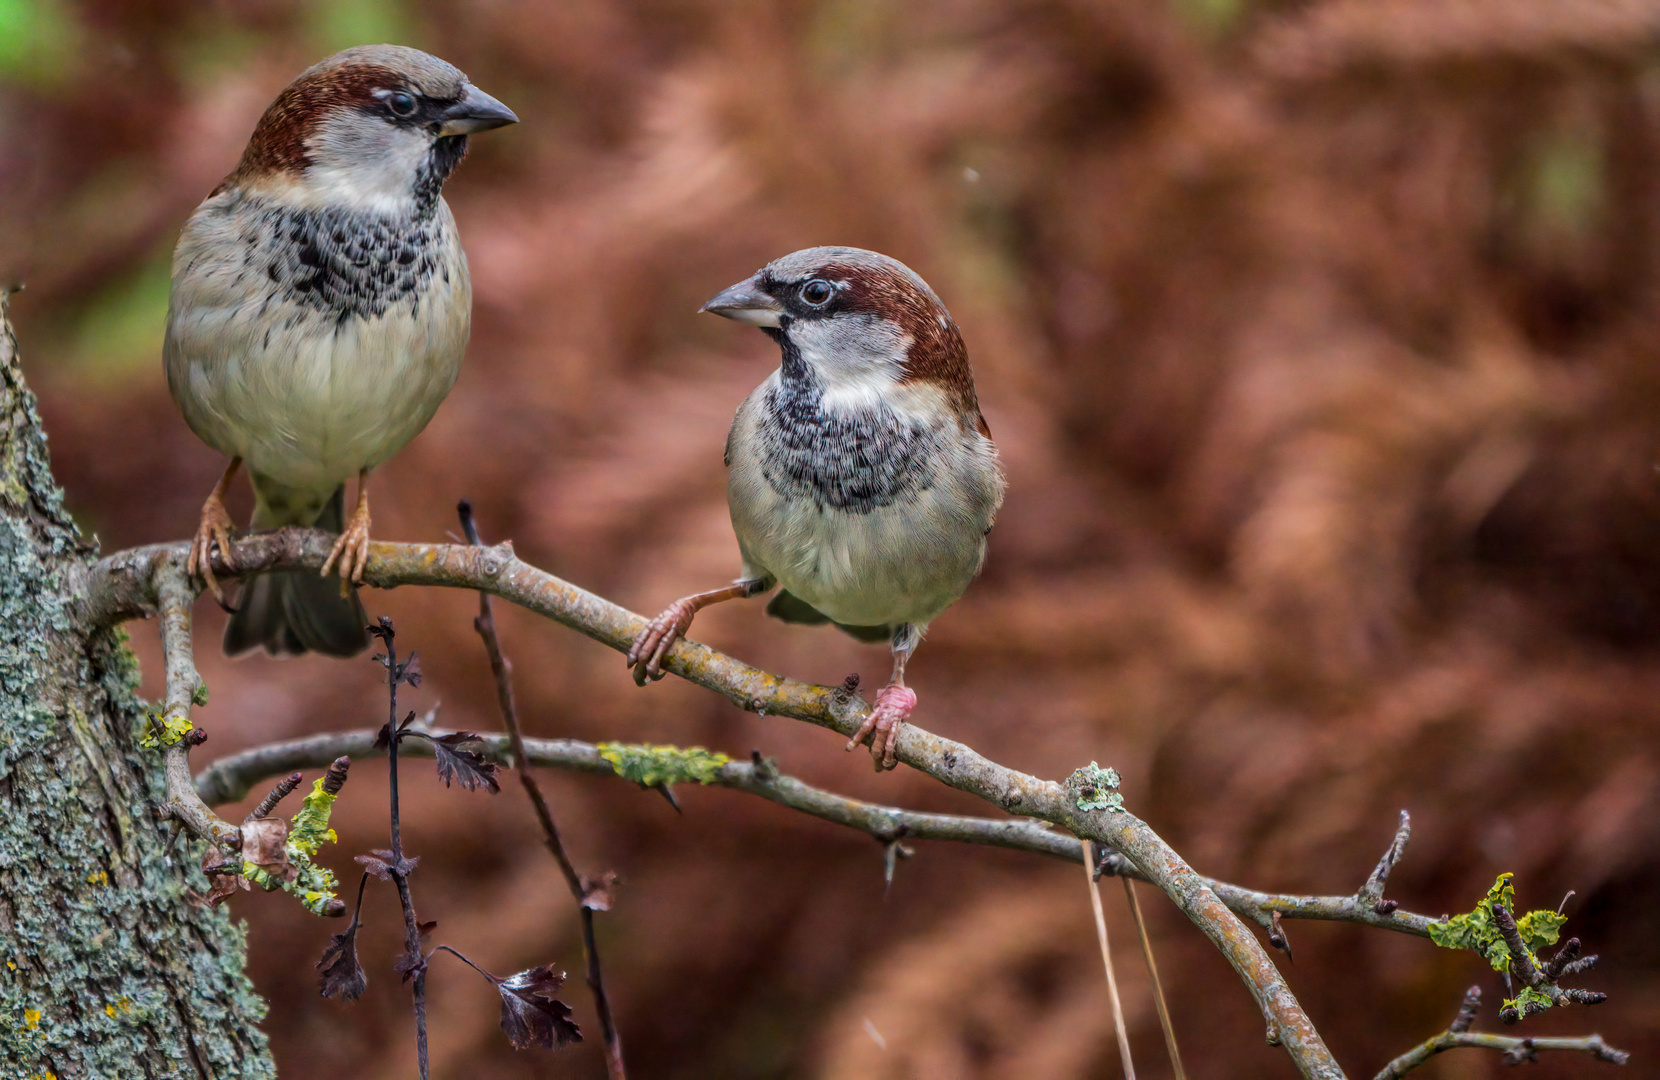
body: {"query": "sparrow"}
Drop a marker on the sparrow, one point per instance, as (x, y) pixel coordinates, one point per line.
(861, 476)
(320, 307)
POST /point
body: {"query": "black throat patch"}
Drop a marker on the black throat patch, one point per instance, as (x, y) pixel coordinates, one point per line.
(445, 155)
(854, 462)
(346, 263)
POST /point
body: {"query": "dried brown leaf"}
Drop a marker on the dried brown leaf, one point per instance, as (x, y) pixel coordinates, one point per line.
(265, 844)
(531, 1015)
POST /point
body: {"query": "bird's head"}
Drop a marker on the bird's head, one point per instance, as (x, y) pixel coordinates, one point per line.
(377, 127)
(864, 326)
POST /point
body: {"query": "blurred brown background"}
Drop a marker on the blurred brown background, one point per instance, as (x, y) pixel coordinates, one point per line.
(1319, 339)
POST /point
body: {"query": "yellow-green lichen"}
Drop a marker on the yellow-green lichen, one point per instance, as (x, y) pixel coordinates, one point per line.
(315, 885)
(660, 765)
(1095, 788)
(1478, 932)
(164, 731)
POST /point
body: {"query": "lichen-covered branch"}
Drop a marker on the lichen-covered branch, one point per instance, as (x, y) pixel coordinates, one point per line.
(173, 729)
(1539, 978)
(231, 778)
(114, 588)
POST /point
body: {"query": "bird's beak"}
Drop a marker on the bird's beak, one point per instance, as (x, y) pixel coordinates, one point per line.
(477, 111)
(746, 303)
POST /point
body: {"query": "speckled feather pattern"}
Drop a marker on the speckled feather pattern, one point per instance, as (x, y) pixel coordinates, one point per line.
(308, 356)
(861, 479)
(319, 313)
(855, 462)
(346, 263)
(321, 302)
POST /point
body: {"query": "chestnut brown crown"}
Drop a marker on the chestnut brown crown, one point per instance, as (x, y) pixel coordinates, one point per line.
(392, 84)
(879, 296)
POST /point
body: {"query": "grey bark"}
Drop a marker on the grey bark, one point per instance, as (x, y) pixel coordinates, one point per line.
(109, 968)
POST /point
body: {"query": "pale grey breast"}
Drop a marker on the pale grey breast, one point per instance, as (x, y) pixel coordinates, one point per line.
(870, 516)
(314, 342)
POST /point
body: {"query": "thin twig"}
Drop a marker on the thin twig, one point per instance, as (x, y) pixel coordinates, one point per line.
(1520, 1049)
(464, 960)
(1458, 1034)
(112, 589)
(1533, 975)
(1158, 986)
(285, 787)
(502, 669)
(411, 926)
(1372, 891)
(1106, 962)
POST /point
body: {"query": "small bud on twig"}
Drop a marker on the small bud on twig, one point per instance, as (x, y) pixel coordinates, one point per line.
(335, 778)
(1467, 1011)
(285, 787)
(1564, 956)
(1276, 936)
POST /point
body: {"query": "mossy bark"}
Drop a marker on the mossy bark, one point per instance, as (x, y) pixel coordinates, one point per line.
(109, 969)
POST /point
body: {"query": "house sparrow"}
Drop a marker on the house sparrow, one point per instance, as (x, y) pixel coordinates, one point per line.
(863, 478)
(319, 311)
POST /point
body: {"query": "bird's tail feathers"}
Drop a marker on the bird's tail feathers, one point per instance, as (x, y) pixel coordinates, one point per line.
(793, 609)
(291, 612)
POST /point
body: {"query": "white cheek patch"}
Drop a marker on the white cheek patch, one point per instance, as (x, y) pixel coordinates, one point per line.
(859, 359)
(858, 393)
(924, 401)
(364, 163)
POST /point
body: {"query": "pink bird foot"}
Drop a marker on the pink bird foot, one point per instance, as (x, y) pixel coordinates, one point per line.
(645, 656)
(893, 707)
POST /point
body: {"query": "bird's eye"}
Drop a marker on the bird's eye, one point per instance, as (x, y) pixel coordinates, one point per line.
(400, 103)
(817, 292)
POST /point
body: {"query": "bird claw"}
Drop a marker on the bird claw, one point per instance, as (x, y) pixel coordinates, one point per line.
(646, 655)
(893, 707)
(351, 550)
(214, 528)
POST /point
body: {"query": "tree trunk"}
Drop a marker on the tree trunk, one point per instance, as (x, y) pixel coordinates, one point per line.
(110, 969)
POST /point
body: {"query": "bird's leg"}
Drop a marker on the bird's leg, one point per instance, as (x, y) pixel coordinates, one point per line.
(893, 707)
(645, 656)
(351, 550)
(214, 528)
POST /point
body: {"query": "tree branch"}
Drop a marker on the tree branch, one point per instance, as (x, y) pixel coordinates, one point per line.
(175, 595)
(115, 587)
(1516, 1051)
(231, 778)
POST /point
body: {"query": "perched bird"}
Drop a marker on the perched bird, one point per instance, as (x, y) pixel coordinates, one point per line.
(862, 477)
(319, 311)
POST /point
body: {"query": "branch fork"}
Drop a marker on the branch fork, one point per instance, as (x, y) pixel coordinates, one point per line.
(125, 584)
